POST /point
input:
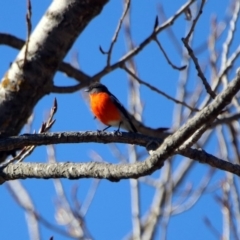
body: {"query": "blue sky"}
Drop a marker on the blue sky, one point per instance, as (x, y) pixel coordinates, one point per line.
(109, 216)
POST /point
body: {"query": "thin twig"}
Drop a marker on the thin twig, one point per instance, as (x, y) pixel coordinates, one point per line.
(200, 73)
(145, 42)
(157, 90)
(167, 58)
(68, 69)
(28, 149)
(195, 21)
(64, 213)
(230, 35)
(29, 27)
(226, 120)
(24, 201)
(67, 89)
(92, 189)
(213, 230)
(194, 196)
(169, 31)
(114, 39)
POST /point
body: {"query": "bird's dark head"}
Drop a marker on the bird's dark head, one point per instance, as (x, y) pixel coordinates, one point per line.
(96, 88)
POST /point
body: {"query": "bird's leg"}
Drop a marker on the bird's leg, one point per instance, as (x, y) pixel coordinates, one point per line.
(106, 128)
(117, 132)
(100, 131)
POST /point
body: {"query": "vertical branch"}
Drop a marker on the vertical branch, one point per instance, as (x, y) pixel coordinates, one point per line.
(64, 213)
(226, 212)
(92, 189)
(135, 200)
(181, 89)
(29, 27)
(230, 36)
(235, 204)
(114, 39)
(135, 106)
(168, 201)
(225, 187)
(24, 200)
(155, 211)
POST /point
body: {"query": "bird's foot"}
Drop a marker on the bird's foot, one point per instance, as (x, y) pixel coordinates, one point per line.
(99, 132)
(117, 133)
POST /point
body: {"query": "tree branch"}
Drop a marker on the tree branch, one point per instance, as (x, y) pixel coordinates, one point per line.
(96, 169)
(28, 81)
(103, 170)
(17, 142)
(68, 69)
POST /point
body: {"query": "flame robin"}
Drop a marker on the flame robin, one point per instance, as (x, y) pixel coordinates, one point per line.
(107, 109)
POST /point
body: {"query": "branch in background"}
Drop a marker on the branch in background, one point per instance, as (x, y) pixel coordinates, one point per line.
(200, 73)
(167, 58)
(144, 43)
(212, 229)
(28, 149)
(67, 89)
(73, 222)
(230, 35)
(169, 31)
(83, 77)
(28, 83)
(195, 21)
(114, 39)
(68, 69)
(24, 200)
(172, 143)
(156, 89)
(29, 27)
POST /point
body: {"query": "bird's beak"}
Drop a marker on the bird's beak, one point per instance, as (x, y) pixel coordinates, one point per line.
(87, 90)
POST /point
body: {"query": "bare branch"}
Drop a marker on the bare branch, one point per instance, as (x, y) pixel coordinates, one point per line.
(195, 21)
(104, 170)
(64, 212)
(67, 89)
(31, 81)
(144, 43)
(167, 58)
(200, 73)
(171, 144)
(27, 150)
(23, 199)
(114, 39)
(156, 89)
(10, 143)
(68, 69)
(29, 27)
(231, 31)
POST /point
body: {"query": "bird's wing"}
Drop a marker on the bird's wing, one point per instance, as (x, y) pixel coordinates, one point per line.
(124, 112)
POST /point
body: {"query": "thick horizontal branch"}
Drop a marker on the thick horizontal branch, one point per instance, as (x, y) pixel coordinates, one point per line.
(21, 141)
(139, 169)
(68, 170)
(112, 172)
(95, 169)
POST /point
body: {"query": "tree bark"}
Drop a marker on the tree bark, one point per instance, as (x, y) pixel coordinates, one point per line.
(30, 76)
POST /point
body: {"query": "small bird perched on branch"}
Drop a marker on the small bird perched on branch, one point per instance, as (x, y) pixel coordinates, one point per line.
(107, 108)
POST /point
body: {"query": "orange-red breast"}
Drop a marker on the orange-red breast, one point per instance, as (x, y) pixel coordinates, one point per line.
(107, 109)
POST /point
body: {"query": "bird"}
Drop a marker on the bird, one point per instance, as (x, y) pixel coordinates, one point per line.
(107, 108)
